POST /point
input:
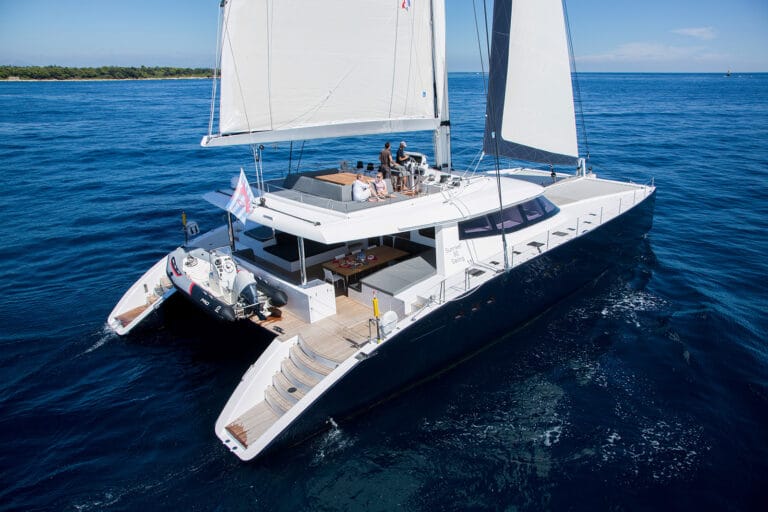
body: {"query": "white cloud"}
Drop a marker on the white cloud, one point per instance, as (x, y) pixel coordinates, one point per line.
(650, 56)
(703, 33)
(642, 52)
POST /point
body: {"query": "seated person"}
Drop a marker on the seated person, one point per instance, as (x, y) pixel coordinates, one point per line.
(380, 187)
(361, 191)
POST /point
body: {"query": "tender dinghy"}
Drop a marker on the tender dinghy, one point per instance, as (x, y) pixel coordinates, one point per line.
(145, 296)
(214, 282)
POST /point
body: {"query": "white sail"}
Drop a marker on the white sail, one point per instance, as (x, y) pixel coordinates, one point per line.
(530, 105)
(294, 69)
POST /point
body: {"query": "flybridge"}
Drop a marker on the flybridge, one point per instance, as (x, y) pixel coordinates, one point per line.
(306, 209)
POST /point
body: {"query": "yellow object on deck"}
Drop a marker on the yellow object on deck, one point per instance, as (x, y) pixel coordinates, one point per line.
(376, 316)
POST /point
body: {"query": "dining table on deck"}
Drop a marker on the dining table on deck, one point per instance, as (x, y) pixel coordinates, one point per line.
(376, 257)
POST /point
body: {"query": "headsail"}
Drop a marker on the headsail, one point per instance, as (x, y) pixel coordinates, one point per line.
(530, 114)
(295, 69)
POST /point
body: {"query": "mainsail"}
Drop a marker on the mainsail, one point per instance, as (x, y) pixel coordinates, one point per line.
(293, 69)
(530, 113)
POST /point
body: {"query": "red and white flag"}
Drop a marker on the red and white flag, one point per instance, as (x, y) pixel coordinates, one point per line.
(241, 202)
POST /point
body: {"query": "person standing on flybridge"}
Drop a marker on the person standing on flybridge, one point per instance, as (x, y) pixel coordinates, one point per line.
(385, 158)
(400, 171)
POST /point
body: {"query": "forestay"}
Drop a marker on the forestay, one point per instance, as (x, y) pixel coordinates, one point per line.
(530, 100)
(293, 69)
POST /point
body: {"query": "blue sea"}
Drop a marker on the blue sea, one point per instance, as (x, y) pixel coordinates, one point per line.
(647, 390)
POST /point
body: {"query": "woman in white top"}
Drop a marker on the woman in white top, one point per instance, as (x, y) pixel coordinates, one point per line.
(361, 191)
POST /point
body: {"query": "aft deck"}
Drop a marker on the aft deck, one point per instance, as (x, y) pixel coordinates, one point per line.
(330, 336)
(316, 349)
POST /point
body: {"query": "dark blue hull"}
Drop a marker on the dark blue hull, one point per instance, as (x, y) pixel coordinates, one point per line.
(464, 326)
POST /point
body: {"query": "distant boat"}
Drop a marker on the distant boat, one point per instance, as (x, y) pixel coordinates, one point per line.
(728, 73)
(383, 294)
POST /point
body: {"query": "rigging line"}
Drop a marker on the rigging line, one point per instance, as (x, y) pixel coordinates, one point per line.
(577, 86)
(491, 110)
(290, 157)
(394, 60)
(268, 22)
(437, 109)
(256, 150)
(216, 67)
(236, 72)
(301, 153)
(319, 105)
(480, 49)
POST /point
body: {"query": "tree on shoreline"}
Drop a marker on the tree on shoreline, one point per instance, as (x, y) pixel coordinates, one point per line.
(100, 73)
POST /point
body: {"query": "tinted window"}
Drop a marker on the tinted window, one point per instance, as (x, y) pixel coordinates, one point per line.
(532, 210)
(509, 220)
(479, 226)
(547, 206)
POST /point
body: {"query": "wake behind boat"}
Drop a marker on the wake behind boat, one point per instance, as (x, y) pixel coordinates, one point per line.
(380, 295)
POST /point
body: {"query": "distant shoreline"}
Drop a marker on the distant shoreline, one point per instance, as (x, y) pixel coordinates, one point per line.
(103, 73)
(11, 74)
(19, 80)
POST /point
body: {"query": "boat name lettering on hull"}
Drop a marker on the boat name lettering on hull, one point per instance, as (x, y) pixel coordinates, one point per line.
(454, 254)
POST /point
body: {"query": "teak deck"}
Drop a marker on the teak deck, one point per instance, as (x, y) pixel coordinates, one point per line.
(334, 339)
(329, 335)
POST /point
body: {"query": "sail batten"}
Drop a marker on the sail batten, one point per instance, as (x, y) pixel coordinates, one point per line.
(530, 114)
(291, 66)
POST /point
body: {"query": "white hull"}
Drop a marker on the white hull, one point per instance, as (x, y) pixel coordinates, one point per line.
(306, 377)
(146, 295)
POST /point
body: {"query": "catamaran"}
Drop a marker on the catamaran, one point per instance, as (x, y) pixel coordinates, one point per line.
(379, 295)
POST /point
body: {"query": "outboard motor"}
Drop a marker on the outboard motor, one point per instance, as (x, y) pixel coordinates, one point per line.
(256, 296)
(277, 297)
(247, 294)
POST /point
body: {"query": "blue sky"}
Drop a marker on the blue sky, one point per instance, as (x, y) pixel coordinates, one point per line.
(608, 35)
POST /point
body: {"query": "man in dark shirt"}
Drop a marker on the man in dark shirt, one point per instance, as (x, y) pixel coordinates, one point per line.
(385, 158)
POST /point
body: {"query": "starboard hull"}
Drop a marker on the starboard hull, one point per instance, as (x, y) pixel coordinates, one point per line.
(466, 325)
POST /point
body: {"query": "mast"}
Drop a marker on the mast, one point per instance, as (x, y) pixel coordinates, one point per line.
(442, 135)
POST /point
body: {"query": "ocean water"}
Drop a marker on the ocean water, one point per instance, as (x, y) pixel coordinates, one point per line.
(646, 391)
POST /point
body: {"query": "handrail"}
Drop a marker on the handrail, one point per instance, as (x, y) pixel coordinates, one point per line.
(521, 252)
